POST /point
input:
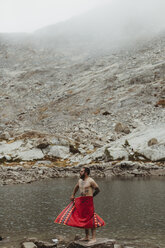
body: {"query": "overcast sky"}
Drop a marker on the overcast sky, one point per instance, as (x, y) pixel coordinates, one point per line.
(29, 15)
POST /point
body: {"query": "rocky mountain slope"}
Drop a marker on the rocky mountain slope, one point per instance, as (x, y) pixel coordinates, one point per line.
(91, 98)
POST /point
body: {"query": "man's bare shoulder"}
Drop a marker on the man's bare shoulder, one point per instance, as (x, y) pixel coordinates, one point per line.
(93, 183)
(91, 179)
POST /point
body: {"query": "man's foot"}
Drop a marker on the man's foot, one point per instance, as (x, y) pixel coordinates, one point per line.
(92, 241)
(84, 239)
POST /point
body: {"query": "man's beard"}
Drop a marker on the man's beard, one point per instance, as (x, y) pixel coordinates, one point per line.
(82, 176)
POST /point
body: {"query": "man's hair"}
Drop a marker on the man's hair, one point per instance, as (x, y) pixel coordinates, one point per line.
(87, 170)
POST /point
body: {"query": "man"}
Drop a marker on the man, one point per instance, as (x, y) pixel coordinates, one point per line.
(80, 212)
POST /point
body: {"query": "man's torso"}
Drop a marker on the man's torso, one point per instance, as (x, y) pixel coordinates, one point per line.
(85, 187)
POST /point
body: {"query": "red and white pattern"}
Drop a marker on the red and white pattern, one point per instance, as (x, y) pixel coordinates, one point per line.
(80, 213)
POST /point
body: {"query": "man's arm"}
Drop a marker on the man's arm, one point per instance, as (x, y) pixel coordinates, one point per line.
(74, 192)
(95, 187)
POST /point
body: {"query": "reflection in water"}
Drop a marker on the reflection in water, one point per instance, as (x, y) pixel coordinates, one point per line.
(134, 209)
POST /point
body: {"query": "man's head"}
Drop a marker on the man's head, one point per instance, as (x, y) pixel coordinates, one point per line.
(84, 172)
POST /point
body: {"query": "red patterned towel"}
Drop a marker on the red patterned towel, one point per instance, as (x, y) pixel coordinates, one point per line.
(80, 213)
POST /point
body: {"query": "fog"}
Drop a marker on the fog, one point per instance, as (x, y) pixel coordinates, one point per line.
(117, 23)
(28, 15)
(112, 24)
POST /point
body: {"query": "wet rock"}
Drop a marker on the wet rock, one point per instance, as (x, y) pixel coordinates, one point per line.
(43, 244)
(100, 243)
(40, 243)
(77, 237)
(28, 245)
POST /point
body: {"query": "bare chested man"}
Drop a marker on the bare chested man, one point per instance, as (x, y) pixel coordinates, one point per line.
(87, 187)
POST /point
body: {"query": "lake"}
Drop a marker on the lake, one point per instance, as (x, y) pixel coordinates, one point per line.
(133, 209)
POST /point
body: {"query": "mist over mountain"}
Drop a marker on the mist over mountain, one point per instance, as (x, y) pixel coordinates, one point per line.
(117, 24)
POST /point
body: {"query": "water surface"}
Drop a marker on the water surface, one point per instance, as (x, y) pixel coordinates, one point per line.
(134, 209)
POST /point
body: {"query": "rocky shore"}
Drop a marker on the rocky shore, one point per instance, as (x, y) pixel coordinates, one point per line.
(26, 174)
(34, 156)
(63, 243)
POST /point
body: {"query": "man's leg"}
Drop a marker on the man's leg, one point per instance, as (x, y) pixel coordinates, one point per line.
(93, 240)
(86, 235)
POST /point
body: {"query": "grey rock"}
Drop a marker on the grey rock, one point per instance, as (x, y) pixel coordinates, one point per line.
(100, 243)
(43, 244)
(58, 151)
(30, 155)
(115, 153)
(152, 142)
(28, 245)
(5, 136)
(7, 157)
(119, 127)
(118, 246)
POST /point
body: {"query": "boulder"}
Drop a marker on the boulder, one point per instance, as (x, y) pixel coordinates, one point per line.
(40, 243)
(119, 127)
(100, 243)
(30, 155)
(152, 154)
(43, 244)
(28, 245)
(135, 147)
(98, 155)
(118, 153)
(58, 151)
(9, 148)
(152, 142)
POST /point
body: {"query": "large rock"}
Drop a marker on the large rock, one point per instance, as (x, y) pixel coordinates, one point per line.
(28, 245)
(30, 155)
(40, 243)
(100, 243)
(43, 244)
(119, 127)
(115, 154)
(58, 151)
(32, 149)
(7, 148)
(135, 145)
